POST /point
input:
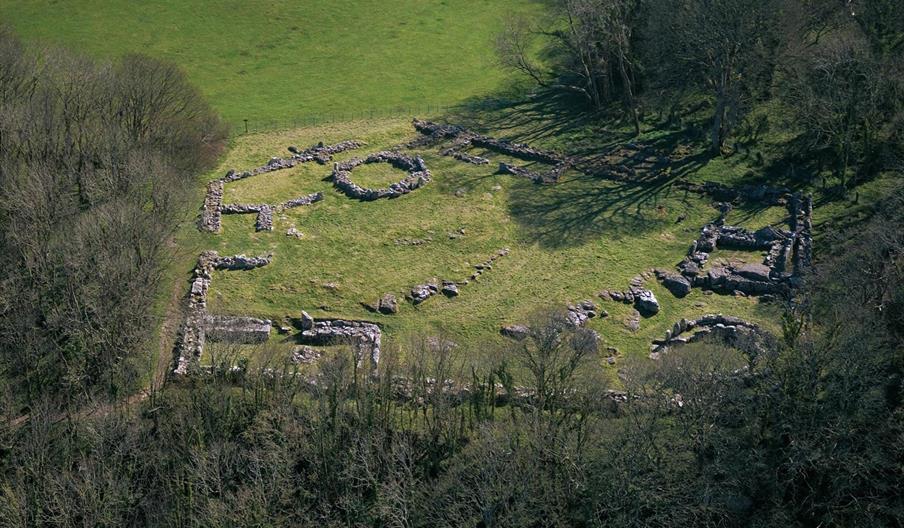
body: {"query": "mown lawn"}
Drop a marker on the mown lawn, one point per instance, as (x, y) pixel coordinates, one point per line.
(567, 242)
(266, 60)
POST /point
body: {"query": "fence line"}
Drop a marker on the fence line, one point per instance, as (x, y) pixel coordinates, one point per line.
(252, 125)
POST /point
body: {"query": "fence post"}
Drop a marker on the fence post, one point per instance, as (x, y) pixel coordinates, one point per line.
(246, 125)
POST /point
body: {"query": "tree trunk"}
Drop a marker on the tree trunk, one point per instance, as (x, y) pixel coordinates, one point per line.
(716, 134)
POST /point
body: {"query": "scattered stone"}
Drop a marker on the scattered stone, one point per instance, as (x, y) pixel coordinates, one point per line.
(304, 355)
(632, 321)
(579, 314)
(422, 292)
(678, 285)
(450, 289)
(646, 303)
(388, 304)
(516, 332)
(293, 232)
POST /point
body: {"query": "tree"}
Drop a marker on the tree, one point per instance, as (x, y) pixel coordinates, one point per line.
(726, 47)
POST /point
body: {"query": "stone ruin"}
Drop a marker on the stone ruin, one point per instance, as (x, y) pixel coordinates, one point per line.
(198, 326)
(463, 139)
(769, 277)
(643, 299)
(728, 329)
(237, 329)
(576, 315)
(213, 201)
(264, 221)
(320, 153)
(418, 176)
(762, 194)
(450, 288)
(364, 336)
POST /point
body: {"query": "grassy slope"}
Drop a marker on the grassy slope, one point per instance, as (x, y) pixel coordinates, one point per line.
(272, 59)
(568, 242)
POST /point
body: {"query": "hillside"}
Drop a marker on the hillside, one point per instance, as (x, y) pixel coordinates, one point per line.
(286, 61)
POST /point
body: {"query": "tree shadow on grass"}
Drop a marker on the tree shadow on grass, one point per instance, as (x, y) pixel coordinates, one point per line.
(584, 208)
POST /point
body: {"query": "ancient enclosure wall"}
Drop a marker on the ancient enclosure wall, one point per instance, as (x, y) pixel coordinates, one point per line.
(727, 329)
(418, 176)
(463, 139)
(198, 326)
(213, 201)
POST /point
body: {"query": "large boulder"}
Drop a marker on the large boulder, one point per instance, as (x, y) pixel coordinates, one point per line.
(646, 303)
(388, 304)
(678, 285)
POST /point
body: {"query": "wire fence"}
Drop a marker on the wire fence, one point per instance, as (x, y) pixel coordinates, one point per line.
(253, 125)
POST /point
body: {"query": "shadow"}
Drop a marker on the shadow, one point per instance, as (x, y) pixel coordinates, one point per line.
(584, 208)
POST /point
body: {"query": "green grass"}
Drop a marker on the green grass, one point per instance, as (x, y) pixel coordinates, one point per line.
(567, 241)
(275, 59)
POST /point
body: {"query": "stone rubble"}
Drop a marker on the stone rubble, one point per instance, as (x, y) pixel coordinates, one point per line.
(726, 328)
(210, 213)
(418, 176)
(264, 220)
(213, 201)
(463, 139)
(197, 323)
(305, 355)
(364, 336)
(450, 288)
(236, 329)
(768, 278)
(643, 299)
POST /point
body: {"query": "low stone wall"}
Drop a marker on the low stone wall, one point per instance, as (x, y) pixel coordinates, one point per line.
(264, 220)
(265, 212)
(213, 201)
(235, 329)
(192, 336)
(464, 139)
(726, 328)
(451, 288)
(304, 200)
(771, 276)
(193, 333)
(239, 208)
(240, 262)
(750, 279)
(418, 176)
(320, 153)
(364, 336)
(210, 213)
(746, 193)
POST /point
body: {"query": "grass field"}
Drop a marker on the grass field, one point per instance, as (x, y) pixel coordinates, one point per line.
(567, 241)
(276, 59)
